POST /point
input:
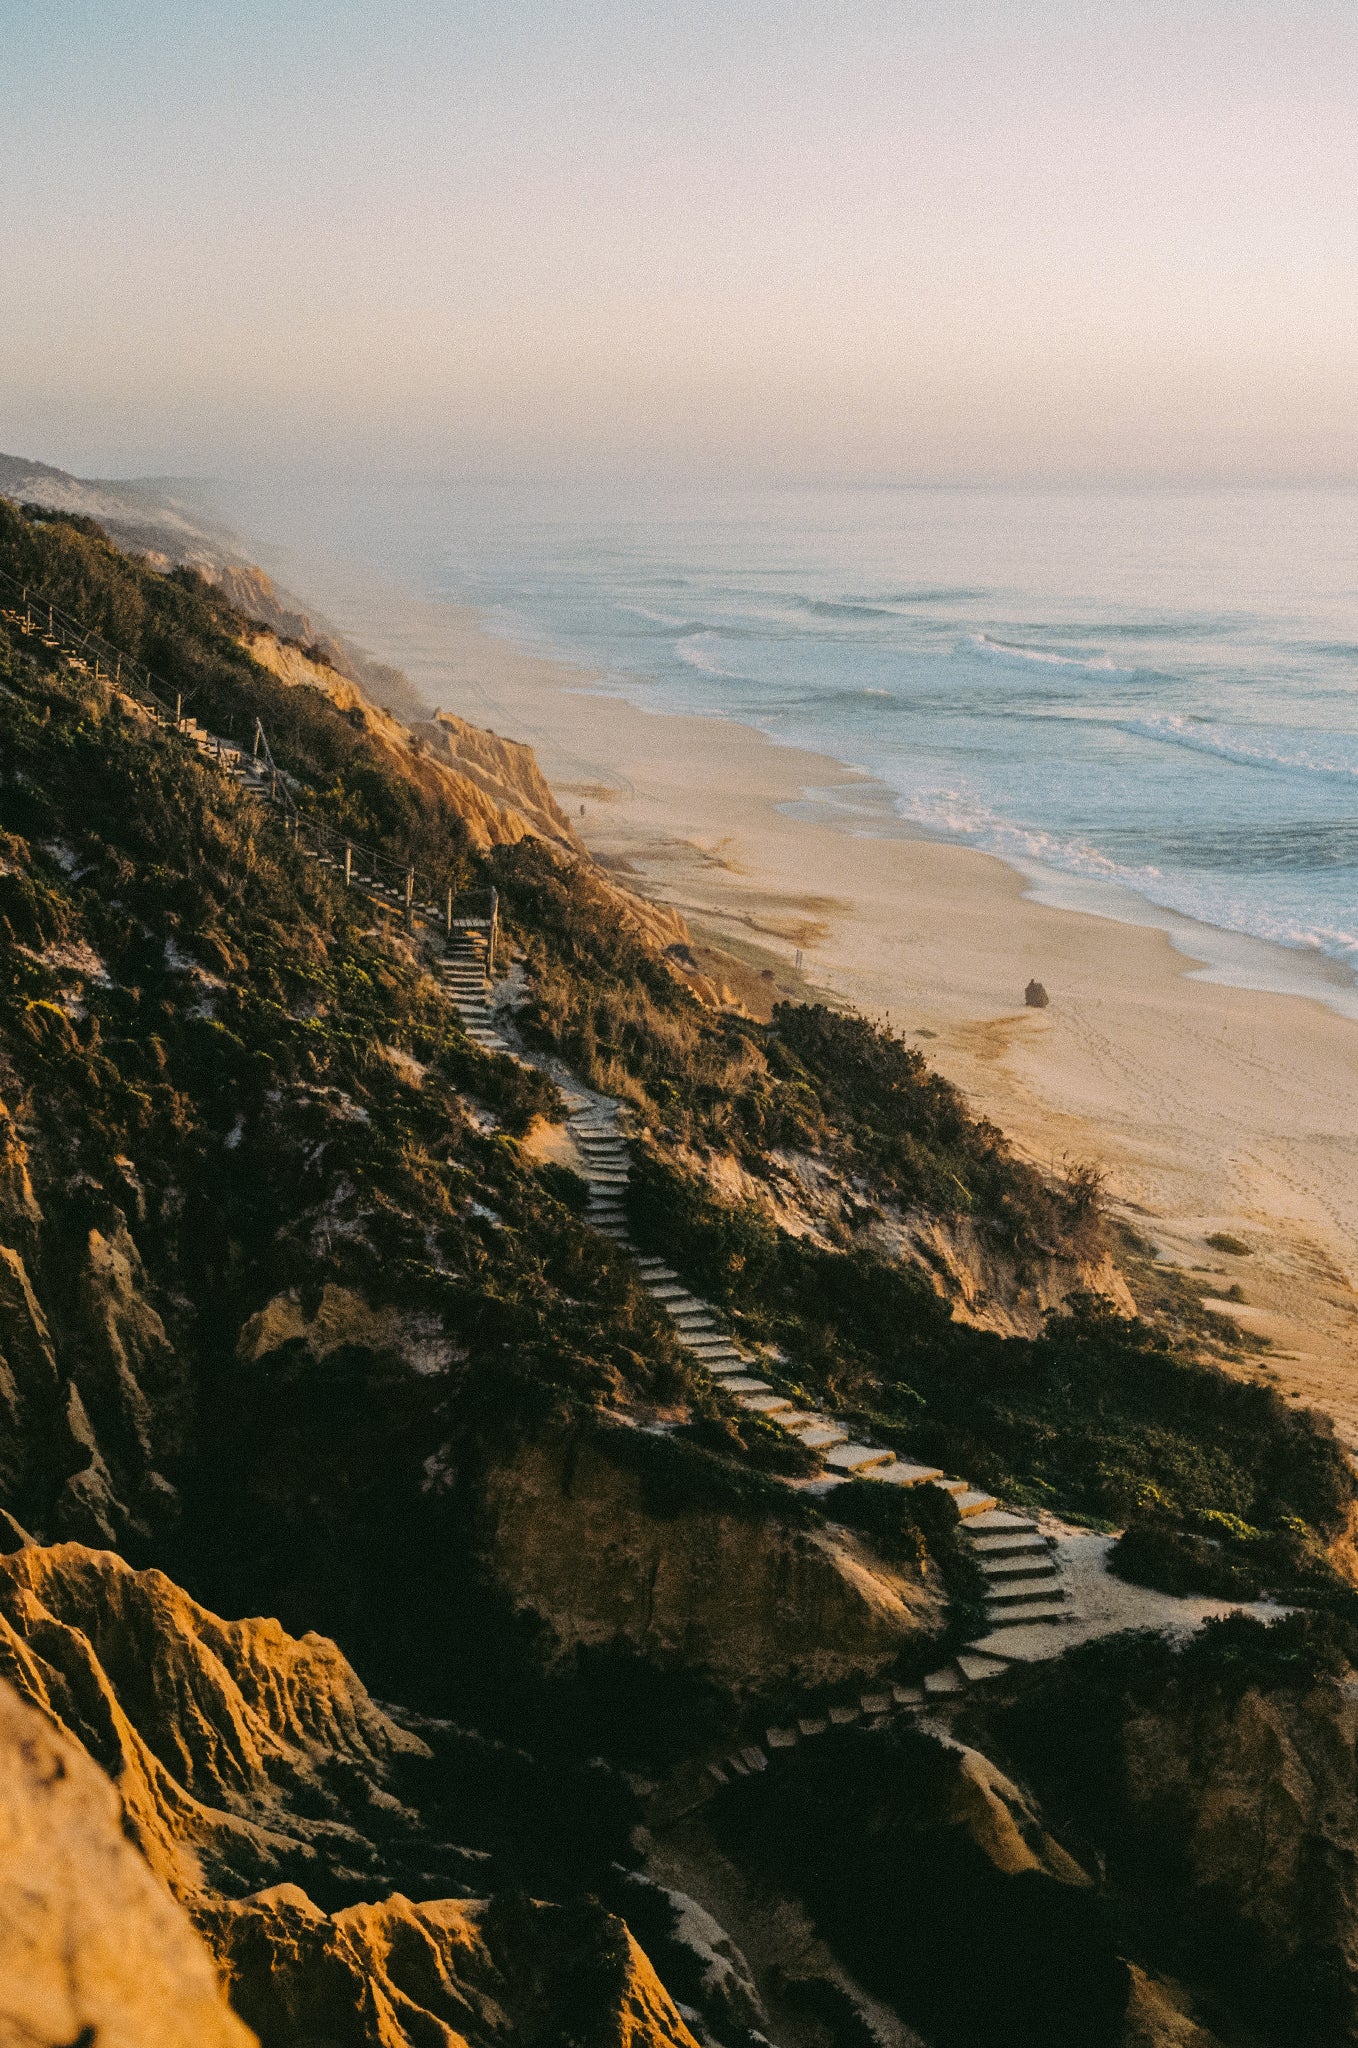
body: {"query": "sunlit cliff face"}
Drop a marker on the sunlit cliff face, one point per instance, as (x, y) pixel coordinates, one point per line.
(969, 242)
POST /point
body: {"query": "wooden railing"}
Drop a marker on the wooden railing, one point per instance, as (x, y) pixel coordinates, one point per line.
(393, 883)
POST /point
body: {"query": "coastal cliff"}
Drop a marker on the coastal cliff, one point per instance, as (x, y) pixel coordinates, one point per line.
(747, 1600)
(305, 1317)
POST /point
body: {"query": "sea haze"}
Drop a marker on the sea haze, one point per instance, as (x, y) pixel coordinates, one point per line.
(1149, 692)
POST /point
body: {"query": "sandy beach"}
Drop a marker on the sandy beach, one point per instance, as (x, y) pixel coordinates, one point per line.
(1211, 1108)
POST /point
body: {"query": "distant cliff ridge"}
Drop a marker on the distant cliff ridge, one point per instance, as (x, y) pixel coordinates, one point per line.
(147, 519)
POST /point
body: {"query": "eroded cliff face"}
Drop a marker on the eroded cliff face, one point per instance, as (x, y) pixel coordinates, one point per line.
(984, 1282)
(988, 1287)
(748, 1600)
(99, 1350)
(242, 1755)
(1258, 1797)
(92, 1946)
(495, 784)
(478, 1973)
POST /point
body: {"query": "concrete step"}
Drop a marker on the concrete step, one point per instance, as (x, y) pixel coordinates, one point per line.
(903, 1474)
(976, 1666)
(1002, 1521)
(1007, 1546)
(742, 1383)
(854, 1458)
(1005, 1570)
(947, 1679)
(1009, 1617)
(823, 1436)
(973, 1502)
(763, 1404)
(1023, 1594)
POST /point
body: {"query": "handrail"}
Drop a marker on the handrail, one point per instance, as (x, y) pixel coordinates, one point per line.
(380, 875)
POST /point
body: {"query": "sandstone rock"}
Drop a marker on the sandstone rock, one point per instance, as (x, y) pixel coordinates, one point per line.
(1157, 2018)
(494, 784)
(1259, 1794)
(1035, 996)
(343, 1317)
(242, 1755)
(751, 1601)
(92, 1946)
(465, 1973)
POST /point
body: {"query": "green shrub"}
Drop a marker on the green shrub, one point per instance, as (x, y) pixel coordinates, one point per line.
(1171, 1559)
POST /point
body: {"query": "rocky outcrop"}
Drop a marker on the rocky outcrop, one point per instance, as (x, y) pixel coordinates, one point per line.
(92, 1947)
(1256, 1799)
(989, 1288)
(749, 1600)
(503, 770)
(92, 1409)
(1158, 2016)
(475, 1973)
(342, 1317)
(242, 1755)
(495, 785)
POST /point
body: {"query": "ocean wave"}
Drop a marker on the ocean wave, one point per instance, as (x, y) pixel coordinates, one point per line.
(959, 813)
(928, 596)
(694, 654)
(1283, 751)
(1045, 657)
(834, 608)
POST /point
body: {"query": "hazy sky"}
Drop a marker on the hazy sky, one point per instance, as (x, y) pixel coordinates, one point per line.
(961, 239)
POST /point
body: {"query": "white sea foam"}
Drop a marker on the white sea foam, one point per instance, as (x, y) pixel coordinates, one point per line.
(1287, 748)
(959, 813)
(698, 651)
(1046, 657)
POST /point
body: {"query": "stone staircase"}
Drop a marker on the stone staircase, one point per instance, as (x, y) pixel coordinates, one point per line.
(1023, 1580)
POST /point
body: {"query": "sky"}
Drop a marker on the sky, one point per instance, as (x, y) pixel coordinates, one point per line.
(924, 241)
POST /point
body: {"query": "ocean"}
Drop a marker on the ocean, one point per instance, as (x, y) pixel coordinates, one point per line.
(1146, 701)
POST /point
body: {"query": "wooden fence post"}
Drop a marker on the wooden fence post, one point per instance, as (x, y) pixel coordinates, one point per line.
(410, 899)
(448, 912)
(348, 864)
(494, 930)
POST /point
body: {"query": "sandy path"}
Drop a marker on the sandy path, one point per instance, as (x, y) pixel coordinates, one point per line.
(1210, 1107)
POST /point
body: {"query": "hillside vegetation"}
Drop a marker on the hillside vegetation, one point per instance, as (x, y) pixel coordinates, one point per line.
(294, 1325)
